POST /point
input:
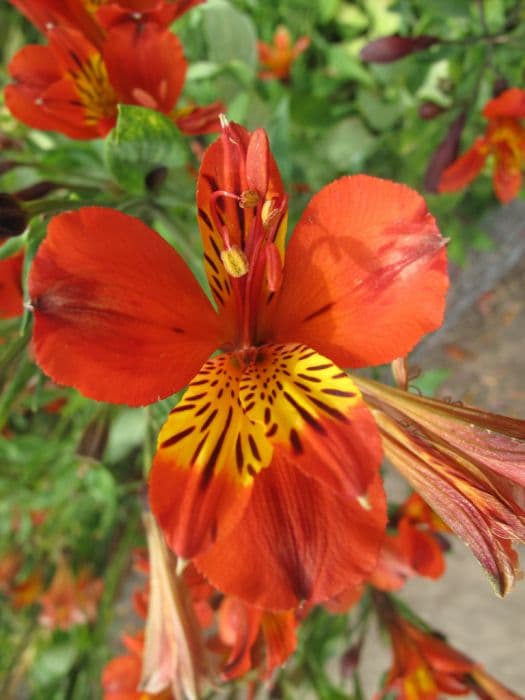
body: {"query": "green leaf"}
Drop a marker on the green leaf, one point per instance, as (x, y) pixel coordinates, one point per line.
(229, 34)
(347, 145)
(141, 141)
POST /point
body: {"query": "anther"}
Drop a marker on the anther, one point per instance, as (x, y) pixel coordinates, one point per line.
(235, 261)
(269, 213)
(249, 199)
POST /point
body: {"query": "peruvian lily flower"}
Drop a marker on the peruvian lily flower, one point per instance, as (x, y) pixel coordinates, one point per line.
(70, 600)
(277, 58)
(467, 464)
(90, 17)
(267, 471)
(426, 667)
(408, 552)
(254, 638)
(504, 141)
(74, 84)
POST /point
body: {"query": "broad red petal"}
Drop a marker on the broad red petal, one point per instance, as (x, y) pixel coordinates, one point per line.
(208, 455)
(297, 541)
(118, 315)
(465, 168)
(315, 412)
(510, 103)
(365, 273)
(11, 299)
(146, 64)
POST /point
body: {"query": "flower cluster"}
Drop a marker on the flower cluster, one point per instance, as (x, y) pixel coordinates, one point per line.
(100, 54)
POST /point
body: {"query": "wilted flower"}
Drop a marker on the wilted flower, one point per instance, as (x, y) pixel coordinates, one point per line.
(469, 465)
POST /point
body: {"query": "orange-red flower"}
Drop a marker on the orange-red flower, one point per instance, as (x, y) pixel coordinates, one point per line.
(425, 667)
(467, 464)
(267, 471)
(70, 600)
(411, 551)
(121, 676)
(278, 57)
(504, 141)
(94, 61)
(11, 298)
(254, 637)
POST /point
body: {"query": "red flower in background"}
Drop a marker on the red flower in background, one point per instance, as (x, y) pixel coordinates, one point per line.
(425, 666)
(410, 551)
(272, 441)
(94, 61)
(504, 141)
(70, 600)
(11, 298)
(278, 57)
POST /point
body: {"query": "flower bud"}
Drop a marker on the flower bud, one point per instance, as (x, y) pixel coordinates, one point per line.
(391, 48)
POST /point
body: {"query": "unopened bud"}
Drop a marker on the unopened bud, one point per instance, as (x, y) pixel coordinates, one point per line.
(391, 48)
(249, 199)
(13, 219)
(235, 261)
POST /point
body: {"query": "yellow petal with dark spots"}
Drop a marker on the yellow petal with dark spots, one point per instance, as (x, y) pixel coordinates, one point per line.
(311, 406)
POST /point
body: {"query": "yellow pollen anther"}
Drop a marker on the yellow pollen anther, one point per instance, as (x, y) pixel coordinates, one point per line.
(249, 198)
(235, 261)
(364, 502)
(269, 213)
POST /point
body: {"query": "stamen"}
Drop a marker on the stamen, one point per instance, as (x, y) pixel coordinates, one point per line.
(249, 199)
(269, 213)
(235, 261)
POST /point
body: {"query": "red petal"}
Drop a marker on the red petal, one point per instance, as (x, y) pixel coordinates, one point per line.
(224, 168)
(297, 541)
(11, 286)
(209, 453)
(200, 120)
(146, 64)
(510, 103)
(464, 169)
(365, 273)
(238, 628)
(118, 315)
(507, 174)
(279, 631)
(35, 70)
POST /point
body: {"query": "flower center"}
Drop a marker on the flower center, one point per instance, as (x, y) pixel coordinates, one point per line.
(94, 89)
